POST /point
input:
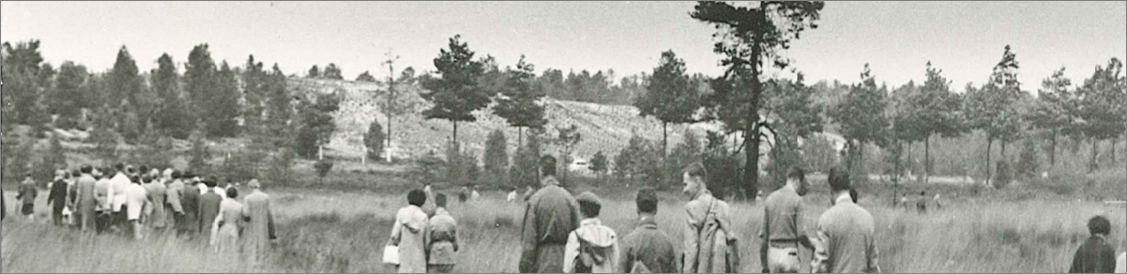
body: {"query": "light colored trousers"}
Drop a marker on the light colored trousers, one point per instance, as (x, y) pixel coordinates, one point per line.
(783, 259)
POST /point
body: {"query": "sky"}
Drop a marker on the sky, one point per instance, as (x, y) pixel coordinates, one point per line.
(964, 39)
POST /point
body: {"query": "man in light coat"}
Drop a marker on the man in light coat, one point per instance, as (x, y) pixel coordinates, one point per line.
(260, 230)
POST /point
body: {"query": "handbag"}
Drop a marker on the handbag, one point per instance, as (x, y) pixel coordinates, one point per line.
(391, 252)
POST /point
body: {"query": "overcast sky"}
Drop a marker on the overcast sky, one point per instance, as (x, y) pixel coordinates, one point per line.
(965, 39)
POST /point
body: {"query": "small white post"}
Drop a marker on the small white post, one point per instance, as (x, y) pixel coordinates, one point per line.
(364, 158)
(320, 152)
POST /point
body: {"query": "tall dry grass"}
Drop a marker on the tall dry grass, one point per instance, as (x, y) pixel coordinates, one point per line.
(325, 231)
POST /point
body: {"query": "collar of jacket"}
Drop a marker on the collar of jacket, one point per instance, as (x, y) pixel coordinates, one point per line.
(843, 199)
(647, 222)
(590, 221)
(702, 194)
(441, 211)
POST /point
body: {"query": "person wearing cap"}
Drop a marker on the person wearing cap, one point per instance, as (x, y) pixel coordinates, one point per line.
(782, 233)
(137, 199)
(441, 239)
(174, 210)
(647, 248)
(27, 194)
(260, 230)
(57, 196)
(474, 195)
(85, 204)
(707, 226)
(409, 232)
(846, 240)
(1095, 255)
(190, 201)
(549, 217)
(155, 213)
(593, 247)
(209, 206)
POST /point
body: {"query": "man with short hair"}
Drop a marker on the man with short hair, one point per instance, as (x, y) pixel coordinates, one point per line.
(27, 194)
(154, 212)
(136, 201)
(550, 215)
(85, 204)
(190, 201)
(209, 206)
(707, 226)
(103, 194)
(593, 247)
(1095, 255)
(57, 197)
(846, 241)
(173, 207)
(782, 233)
(441, 239)
(647, 249)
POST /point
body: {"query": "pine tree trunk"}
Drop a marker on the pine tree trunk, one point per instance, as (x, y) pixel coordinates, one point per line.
(989, 145)
(927, 160)
(1095, 151)
(520, 137)
(664, 139)
(1053, 150)
(455, 138)
(909, 166)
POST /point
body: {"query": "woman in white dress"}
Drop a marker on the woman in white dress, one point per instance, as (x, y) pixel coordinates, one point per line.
(232, 217)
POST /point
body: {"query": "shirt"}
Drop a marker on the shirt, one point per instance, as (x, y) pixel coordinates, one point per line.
(103, 193)
(550, 215)
(442, 238)
(650, 246)
(136, 198)
(845, 240)
(704, 257)
(512, 197)
(118, 184)
(601, 237)
(174, 192)
(1094, 256)
(782, 213)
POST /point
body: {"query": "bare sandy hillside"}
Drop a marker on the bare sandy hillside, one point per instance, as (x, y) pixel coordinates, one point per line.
(603, 127)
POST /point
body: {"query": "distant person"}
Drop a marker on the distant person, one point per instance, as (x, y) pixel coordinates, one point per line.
(937, 201)
(1095, 255)
(210, 203)
(647, 249)
(27, 194)
(408, 234)
(474, 195)
(708, 222)
(512, 197)
(593, 247)
(118, 183)
(190, 201)
(103, 194)
(174, 190)
(782, 231)
(921, 202)
(228, 224)
(136, 201)
(441, 239)
(260, 230)
(57, 197)
(846, 234)
(551, 214)
(464, 195)
(86, 205)
(155, 212)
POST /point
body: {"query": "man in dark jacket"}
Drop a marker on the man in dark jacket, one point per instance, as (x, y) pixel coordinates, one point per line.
(190, 202)
(1095, 255)
(57, 198)
(551, 214)
(647, 246)
(209, 206)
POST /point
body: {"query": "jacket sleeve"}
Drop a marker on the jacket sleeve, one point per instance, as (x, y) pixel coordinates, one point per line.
(820, 263)
(396, 231)
(571, 251)
(615, 254)
(690, 243)
(872, 255)
(174, 200)
(270, 221)
(528, 240)
(625, 258)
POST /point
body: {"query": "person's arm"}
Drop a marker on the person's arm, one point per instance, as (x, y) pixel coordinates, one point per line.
(455, 235)
(800, 232)
(428, 238)
(626, 259)
(820, 263)
(174, 200)
(396, 231)
(529, 239)
(215, 227)
(614, 254)
(690, 243)
(571, 250)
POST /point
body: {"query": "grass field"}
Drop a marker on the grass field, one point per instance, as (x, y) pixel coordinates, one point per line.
(332, 231)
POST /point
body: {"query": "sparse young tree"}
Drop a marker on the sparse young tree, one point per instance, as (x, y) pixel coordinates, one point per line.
(172, 116)
(279, 109)
(1054, 111)
(496, 156)
(862, 119)
(456, 94)
(518, 102)
(255, 89)
(1102, 104)
(317, 124)
(366, 77)
(199, 79)
(670, 97)
(55, 159)
(332, 72)
(199, 155)
(314, 73)
(992, 107)
(68, 97)
(749, 38)
(599, 165)
(567, 139)
(222, 107)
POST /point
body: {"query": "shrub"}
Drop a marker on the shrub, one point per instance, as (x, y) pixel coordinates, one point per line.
(1004, 175)
(323, 167)
(1027, 165)
(496, 157)
(374, 140)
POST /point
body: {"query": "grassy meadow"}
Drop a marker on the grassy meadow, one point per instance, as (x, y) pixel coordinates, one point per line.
(977, 230)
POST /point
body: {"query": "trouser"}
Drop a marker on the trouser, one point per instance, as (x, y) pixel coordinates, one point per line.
(783, 258)
(549, 258)
(102, 221)
(440, 268)
(57, 216)
(86, 219)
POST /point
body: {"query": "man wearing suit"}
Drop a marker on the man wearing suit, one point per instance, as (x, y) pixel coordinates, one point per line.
(260, 229)
(190, 201)
(85, 204)
(209, 206)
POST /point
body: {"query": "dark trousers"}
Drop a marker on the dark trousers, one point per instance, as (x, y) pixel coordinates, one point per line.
(102, 221)
(57, 215)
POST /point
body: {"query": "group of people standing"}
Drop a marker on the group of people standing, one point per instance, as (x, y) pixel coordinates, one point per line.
(148, 201)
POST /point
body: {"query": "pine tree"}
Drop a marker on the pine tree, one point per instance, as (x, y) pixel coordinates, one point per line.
(172, 117)
(670, 96)
(519, 101)
(862, 119)
(496, 156)
(456, 94)
(374, 140)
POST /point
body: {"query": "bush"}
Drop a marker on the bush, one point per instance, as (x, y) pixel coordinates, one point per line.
(1027, 165)
(429, 168)
(281, 167)
(374, 140)
(496, 157)
(1004, 175)
(323, 167)
(524, 171)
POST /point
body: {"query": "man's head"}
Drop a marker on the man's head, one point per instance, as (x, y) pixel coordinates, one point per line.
(694, 177)
(87, 169)
(146, 179)
(120, 167)
(796, 178)
(145, 169)
(1099, 225)
(547, 166)
(839, 181)
(416, 197)
(209, 182)
(135, 179)
(589, 204)
(75, 174)
(647, 201)
(232, 193)
(254, 184)
(176, 175)
(440, 200)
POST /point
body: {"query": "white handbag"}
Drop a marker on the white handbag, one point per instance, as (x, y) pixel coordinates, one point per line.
(391, 255)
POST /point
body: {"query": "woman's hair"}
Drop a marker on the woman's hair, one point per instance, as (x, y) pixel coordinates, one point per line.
(416, 197)
(232, 193)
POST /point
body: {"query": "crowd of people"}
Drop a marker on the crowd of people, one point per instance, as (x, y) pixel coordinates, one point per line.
(560, 233)
(143, 202)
